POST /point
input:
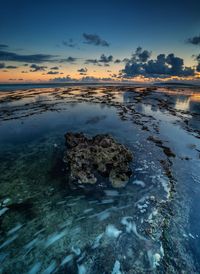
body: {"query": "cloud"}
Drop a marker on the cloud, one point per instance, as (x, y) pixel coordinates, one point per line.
(94, 39)
(35, 68)
(70, 43)
(3, 46)
(82, 70)
(52, 72)
(13, 79)
(117, 61)
(105, 60)
(163, 66)
(68, 60)
(197, 58)
(11, 67)
(125, 60)
(86, 79)
(92, 79)
(91, 61)
(194, 40)
(2, 66)
(63, 79)
(54, 68)
(33, 58)
(141, 55)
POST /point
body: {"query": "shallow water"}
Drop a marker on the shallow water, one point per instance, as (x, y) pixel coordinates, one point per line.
(46, 227)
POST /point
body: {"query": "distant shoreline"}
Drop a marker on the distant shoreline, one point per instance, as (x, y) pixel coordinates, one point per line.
(24, 86)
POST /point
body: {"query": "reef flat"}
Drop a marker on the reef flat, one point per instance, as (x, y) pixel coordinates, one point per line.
(150, 225)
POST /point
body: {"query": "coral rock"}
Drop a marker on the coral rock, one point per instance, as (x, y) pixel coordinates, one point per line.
(86, 158)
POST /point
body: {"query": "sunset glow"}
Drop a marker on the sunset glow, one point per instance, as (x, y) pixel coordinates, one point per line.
(43, 42)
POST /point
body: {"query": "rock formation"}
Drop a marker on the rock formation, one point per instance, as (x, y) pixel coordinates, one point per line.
(88, 158)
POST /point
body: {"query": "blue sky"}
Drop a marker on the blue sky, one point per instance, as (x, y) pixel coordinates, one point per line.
(34, 27)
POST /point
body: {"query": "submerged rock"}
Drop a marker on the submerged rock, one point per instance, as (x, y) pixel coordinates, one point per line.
(89, 158)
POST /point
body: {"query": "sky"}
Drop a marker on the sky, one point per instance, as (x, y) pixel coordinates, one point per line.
(99, 40)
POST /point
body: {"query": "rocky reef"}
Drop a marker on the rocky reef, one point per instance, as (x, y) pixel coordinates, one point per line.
(88, 159)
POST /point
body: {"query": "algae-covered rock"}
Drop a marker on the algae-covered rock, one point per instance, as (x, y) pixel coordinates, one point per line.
(86, 158)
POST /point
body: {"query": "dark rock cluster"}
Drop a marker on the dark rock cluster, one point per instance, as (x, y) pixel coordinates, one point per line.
(86, 158)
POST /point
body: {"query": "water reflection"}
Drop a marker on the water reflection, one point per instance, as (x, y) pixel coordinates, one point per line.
(182, 103)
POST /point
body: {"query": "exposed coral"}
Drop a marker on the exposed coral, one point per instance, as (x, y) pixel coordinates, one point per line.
(88, 157)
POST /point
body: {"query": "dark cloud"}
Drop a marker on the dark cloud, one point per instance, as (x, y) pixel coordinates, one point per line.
(125, 60)
(63, 79)
(52, 72)
(117, 61)
(54, 68)
(68, 60)
(162, 66)
(13, 79)
(94, 39)
(90, 79)
(11, 67)
(33, 58)
(95, 79)
(198, 68)
(105, 60)
(86, 79)
(91, 61)
(70, 43)
(2, 65)
(82, 70)
(194, 40)
(35, 68)
(141, 55)
(197, 58)
(3, 46)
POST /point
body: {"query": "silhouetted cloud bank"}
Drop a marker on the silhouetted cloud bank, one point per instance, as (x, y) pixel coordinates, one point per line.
(162, 66)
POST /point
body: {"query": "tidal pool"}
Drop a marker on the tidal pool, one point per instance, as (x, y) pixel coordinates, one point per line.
(150, 226)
